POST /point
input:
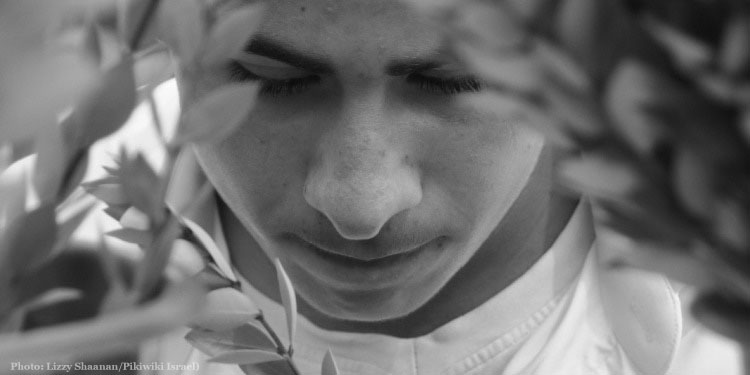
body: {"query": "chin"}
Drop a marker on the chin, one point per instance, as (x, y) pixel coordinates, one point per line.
(370, 306)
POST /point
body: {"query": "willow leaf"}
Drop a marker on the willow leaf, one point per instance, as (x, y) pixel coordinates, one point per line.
(231, 34)
(217, 115)
(288, 299)
(28, 240)
(246, 357)
(225, 309)
(210, 246)
(329, 366)
(734, 56)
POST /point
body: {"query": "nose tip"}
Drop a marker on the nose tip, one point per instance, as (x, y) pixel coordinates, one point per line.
(358, 207)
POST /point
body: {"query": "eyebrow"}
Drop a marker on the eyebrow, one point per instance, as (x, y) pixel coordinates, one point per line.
(277, 51)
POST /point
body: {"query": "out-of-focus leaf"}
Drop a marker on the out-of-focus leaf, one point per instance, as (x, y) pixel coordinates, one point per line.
(140, 237)
(329, 364)
(731, 223)
(53, 296)
(92, 44)
(599, 176)
(153, 69)
(210, 246)
(632, 89)
(182, 27)
(118, 295)
(225, 309)
(288, 299)
(94, 337)
(186, 258)
(140, 183)
(717, 85)
(246, 357)
(217, 115)
(688, 53)
(106, 107)
(50, 164)
(247, 336)
(270, 368)
(134, 218)
(561, 66)
(110, 193)
(28, 240)
(745, 123)
(116, 211)
(694, 181)
(231, 34)
(212, 279)
(515, 73)
(735, 49)
(130, 16)
(13, 183)
(71, 221)
(579, 110)
(150, 269)
(492, 28)
(75, 170)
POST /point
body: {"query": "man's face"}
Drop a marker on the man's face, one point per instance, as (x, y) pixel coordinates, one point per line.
(363, 167)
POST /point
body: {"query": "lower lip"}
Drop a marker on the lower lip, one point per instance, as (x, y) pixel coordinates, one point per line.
(351, 273)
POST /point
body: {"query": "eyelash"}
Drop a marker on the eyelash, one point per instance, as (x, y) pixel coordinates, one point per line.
(287, 87)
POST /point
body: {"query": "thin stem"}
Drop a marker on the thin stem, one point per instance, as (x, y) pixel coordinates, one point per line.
(143, 23)
(292, 366)
(279, 345)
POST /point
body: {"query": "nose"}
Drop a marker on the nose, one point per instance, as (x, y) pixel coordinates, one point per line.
(360, 180)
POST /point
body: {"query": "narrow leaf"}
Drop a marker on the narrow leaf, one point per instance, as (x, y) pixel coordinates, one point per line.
(138, 181)
(329, 364)
(514, 73)
(182, 27)
(71, 221)
(53, 296)
(106, 107)
(247, 336)
(225, 309)
(246, 357)
(92, 44)
(50, 163)
(599, 176)
(134, 218)
(212, 279)
(735, 49)
(693, 183)
(208, 243)
(231, 34)
(288, 299)
(689, 54)
(139, 237)
(217, 115)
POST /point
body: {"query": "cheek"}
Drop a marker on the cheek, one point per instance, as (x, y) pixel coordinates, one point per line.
(482, 168)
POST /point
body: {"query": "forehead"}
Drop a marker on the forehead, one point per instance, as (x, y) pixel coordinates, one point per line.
(345, 29)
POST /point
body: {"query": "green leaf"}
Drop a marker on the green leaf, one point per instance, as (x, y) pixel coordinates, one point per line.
(632, 93)
(206, 242)
(139, 183)
(688, 53)
(212, 279)
(182, 27)
(130, 13)
(50, 163)
(734, 57)
(599, 176)
(231, 34)
(288, 299)
(693, 182)
(329, 364)
(28, 240)
(92, 44)
(247, 336)
(52, 297)
(106, 107)
(495, 29)
(745, 124)
(139, 237)
(217, 115)
(579, 110)
(515, 73)
(246, 357)
(730, 223)
(71, 221)
(225, 309)
(268, 368)
(153, 68)
(134, 218)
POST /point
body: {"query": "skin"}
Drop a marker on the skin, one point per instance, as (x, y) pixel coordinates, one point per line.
(393, 207)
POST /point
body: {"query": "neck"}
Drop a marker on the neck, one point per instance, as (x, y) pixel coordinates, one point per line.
(522, 237)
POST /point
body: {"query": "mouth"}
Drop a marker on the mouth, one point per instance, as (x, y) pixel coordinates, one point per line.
(372, 268)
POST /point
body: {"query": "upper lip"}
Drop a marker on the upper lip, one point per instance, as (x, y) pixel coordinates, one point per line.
(364, 251)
